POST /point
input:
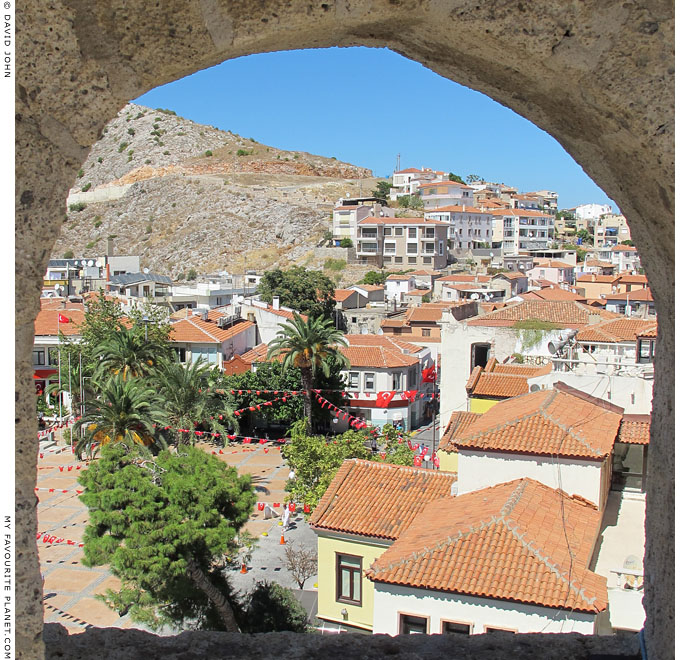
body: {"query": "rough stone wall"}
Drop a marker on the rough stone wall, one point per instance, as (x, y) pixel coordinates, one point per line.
(598, 76)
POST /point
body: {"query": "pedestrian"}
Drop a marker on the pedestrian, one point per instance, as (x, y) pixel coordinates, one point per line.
(286, 518)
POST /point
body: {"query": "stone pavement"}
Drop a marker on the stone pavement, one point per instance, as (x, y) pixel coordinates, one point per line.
(70, 588)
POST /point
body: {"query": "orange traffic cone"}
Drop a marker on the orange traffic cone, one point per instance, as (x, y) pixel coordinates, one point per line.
(282, 538)
(244, 568)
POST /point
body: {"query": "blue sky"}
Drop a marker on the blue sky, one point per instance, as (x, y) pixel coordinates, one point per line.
(364, 106)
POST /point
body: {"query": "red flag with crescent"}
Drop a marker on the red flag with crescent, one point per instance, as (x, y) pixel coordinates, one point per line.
(384, 398)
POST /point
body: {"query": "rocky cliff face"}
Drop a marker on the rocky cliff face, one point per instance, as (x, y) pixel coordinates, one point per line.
(188, 196)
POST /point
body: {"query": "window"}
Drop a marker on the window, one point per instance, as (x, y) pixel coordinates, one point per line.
(39, 357)
(480, 355)
(411, 248)
(427, 260)
(348, 579)
(398, 260)
(397, 381)
(354, 380)
(455, 627)
(181, 353)
(386, 260)
(411, 260)
(53, 355)
(412, 232)
(413, 625)
(398, 231)
(426, 332)
(412, 379)
(440, 247)
(386, 231)
(389, 248)
(369, 381)
(491, 629)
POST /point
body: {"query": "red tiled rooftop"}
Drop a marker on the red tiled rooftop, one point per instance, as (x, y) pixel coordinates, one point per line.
(508, 542)
(195, 330)
(552, 294)
(547, 422)
(384, 341)
(634, 429)
(617, 330)
(502, 381)
(340, 295)
(46, 323)
(594, 278)
(642, 295)
(377, 357)
(565, 314)
(378, 499)
(551, 263)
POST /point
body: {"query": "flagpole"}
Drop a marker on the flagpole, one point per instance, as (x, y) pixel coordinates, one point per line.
(59, 367)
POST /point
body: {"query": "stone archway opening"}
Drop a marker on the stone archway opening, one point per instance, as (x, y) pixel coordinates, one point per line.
(614, 65)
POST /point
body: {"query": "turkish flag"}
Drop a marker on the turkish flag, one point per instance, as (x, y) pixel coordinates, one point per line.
(409, 395)
(417, 461)
(62, 319)
(429, 375)
(384, 398)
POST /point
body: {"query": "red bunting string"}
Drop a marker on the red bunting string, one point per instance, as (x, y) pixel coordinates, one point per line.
(54, 540)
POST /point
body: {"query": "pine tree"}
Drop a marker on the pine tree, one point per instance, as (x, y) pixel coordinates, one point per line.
(166, 526)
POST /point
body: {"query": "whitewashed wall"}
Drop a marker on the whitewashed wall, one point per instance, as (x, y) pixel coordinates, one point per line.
(479, 469)
(391, 600)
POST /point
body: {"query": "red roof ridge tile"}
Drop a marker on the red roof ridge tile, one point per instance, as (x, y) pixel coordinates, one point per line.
(560, 386)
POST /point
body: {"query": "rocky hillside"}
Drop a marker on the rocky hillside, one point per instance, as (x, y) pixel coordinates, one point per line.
(186, 196)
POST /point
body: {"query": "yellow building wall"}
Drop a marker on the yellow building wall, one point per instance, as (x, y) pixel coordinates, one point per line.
(482, 405)
(448, 462)
(330, 609)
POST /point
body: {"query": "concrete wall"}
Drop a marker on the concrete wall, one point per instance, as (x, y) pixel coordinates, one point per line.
(99, 195)
(328, 608)
(80, 63)
(480, 469)
(390, 600)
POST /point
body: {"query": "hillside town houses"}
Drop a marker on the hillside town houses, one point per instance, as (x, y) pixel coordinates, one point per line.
(520, 356)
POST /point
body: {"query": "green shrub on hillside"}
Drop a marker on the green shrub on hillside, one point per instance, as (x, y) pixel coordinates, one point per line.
(79, 206)
(86, 187)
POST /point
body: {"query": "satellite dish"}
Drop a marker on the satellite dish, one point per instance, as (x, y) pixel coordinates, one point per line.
(347, 194)
(534, 388)
(474, 296)
(57, 287)
(146, 271)
(90, 263)
(83, 262)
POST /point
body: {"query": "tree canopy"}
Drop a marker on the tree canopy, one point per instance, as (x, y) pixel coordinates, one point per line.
(383, 189)
(410, 202)
(456, 178)
(166, 526)
(307, 291)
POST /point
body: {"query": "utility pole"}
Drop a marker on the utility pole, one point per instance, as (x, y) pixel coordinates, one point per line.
(397, 165)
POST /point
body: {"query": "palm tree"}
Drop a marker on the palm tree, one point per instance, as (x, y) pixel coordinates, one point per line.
(187, 400)
(123, 409)
(306, 345)
(125, 353)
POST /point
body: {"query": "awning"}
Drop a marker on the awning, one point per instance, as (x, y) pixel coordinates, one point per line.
(40, 374)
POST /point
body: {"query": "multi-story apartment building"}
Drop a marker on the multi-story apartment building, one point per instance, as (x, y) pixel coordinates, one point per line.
(407, 181)
(522, 229)
(445, 193)
(383, 241)
(471, 226)
(348, 212)
(610, 229)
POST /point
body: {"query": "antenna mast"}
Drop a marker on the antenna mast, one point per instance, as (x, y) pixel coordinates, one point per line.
(397, 167)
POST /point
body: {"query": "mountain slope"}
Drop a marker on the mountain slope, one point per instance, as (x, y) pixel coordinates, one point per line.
(187, 196)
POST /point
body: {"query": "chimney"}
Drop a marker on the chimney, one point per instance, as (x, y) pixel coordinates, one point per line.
(109, 247)
(276, 302)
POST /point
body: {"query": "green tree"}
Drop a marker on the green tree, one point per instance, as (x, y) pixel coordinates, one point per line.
(272, 608)
(307, 345)
(584, 235)
(315, 459)
(307, 291)
(128, 354)
(581, 252)
(473, 178)
(166, 526)
(346, 243)
(456, 178)
(410, 202)
(190, 402)
(375, 277)
(628, 242)
(191, 275)
(124, 409)
(382, 190)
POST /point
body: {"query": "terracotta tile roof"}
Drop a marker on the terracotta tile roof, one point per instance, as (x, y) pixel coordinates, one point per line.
(616, 330)
(424, 314)
(552, 294)
(367, 287)
(551, 263)
(435, 184)
(649, 334)
(634, 429)
(60, 303)
(627, 278)
(459, 421)
(547, 422)
(565, 314)
(624, 248)
(377, 357)
(506, 542)
(510, 275)
(418, 292)
(643, 295)
(516, 213)
(393, 323)
(384, 341)
(434, 273)
(378, 499)
(598, 263)
(409, 170)
(256, 354)
(398, 278)
(46, 323)
(340, 295)
(592, 277)
(195, 330)
(503, 381)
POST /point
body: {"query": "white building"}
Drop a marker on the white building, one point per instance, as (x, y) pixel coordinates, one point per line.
(470, 225)
(407, 181)
(591, 211)
(445, 193)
